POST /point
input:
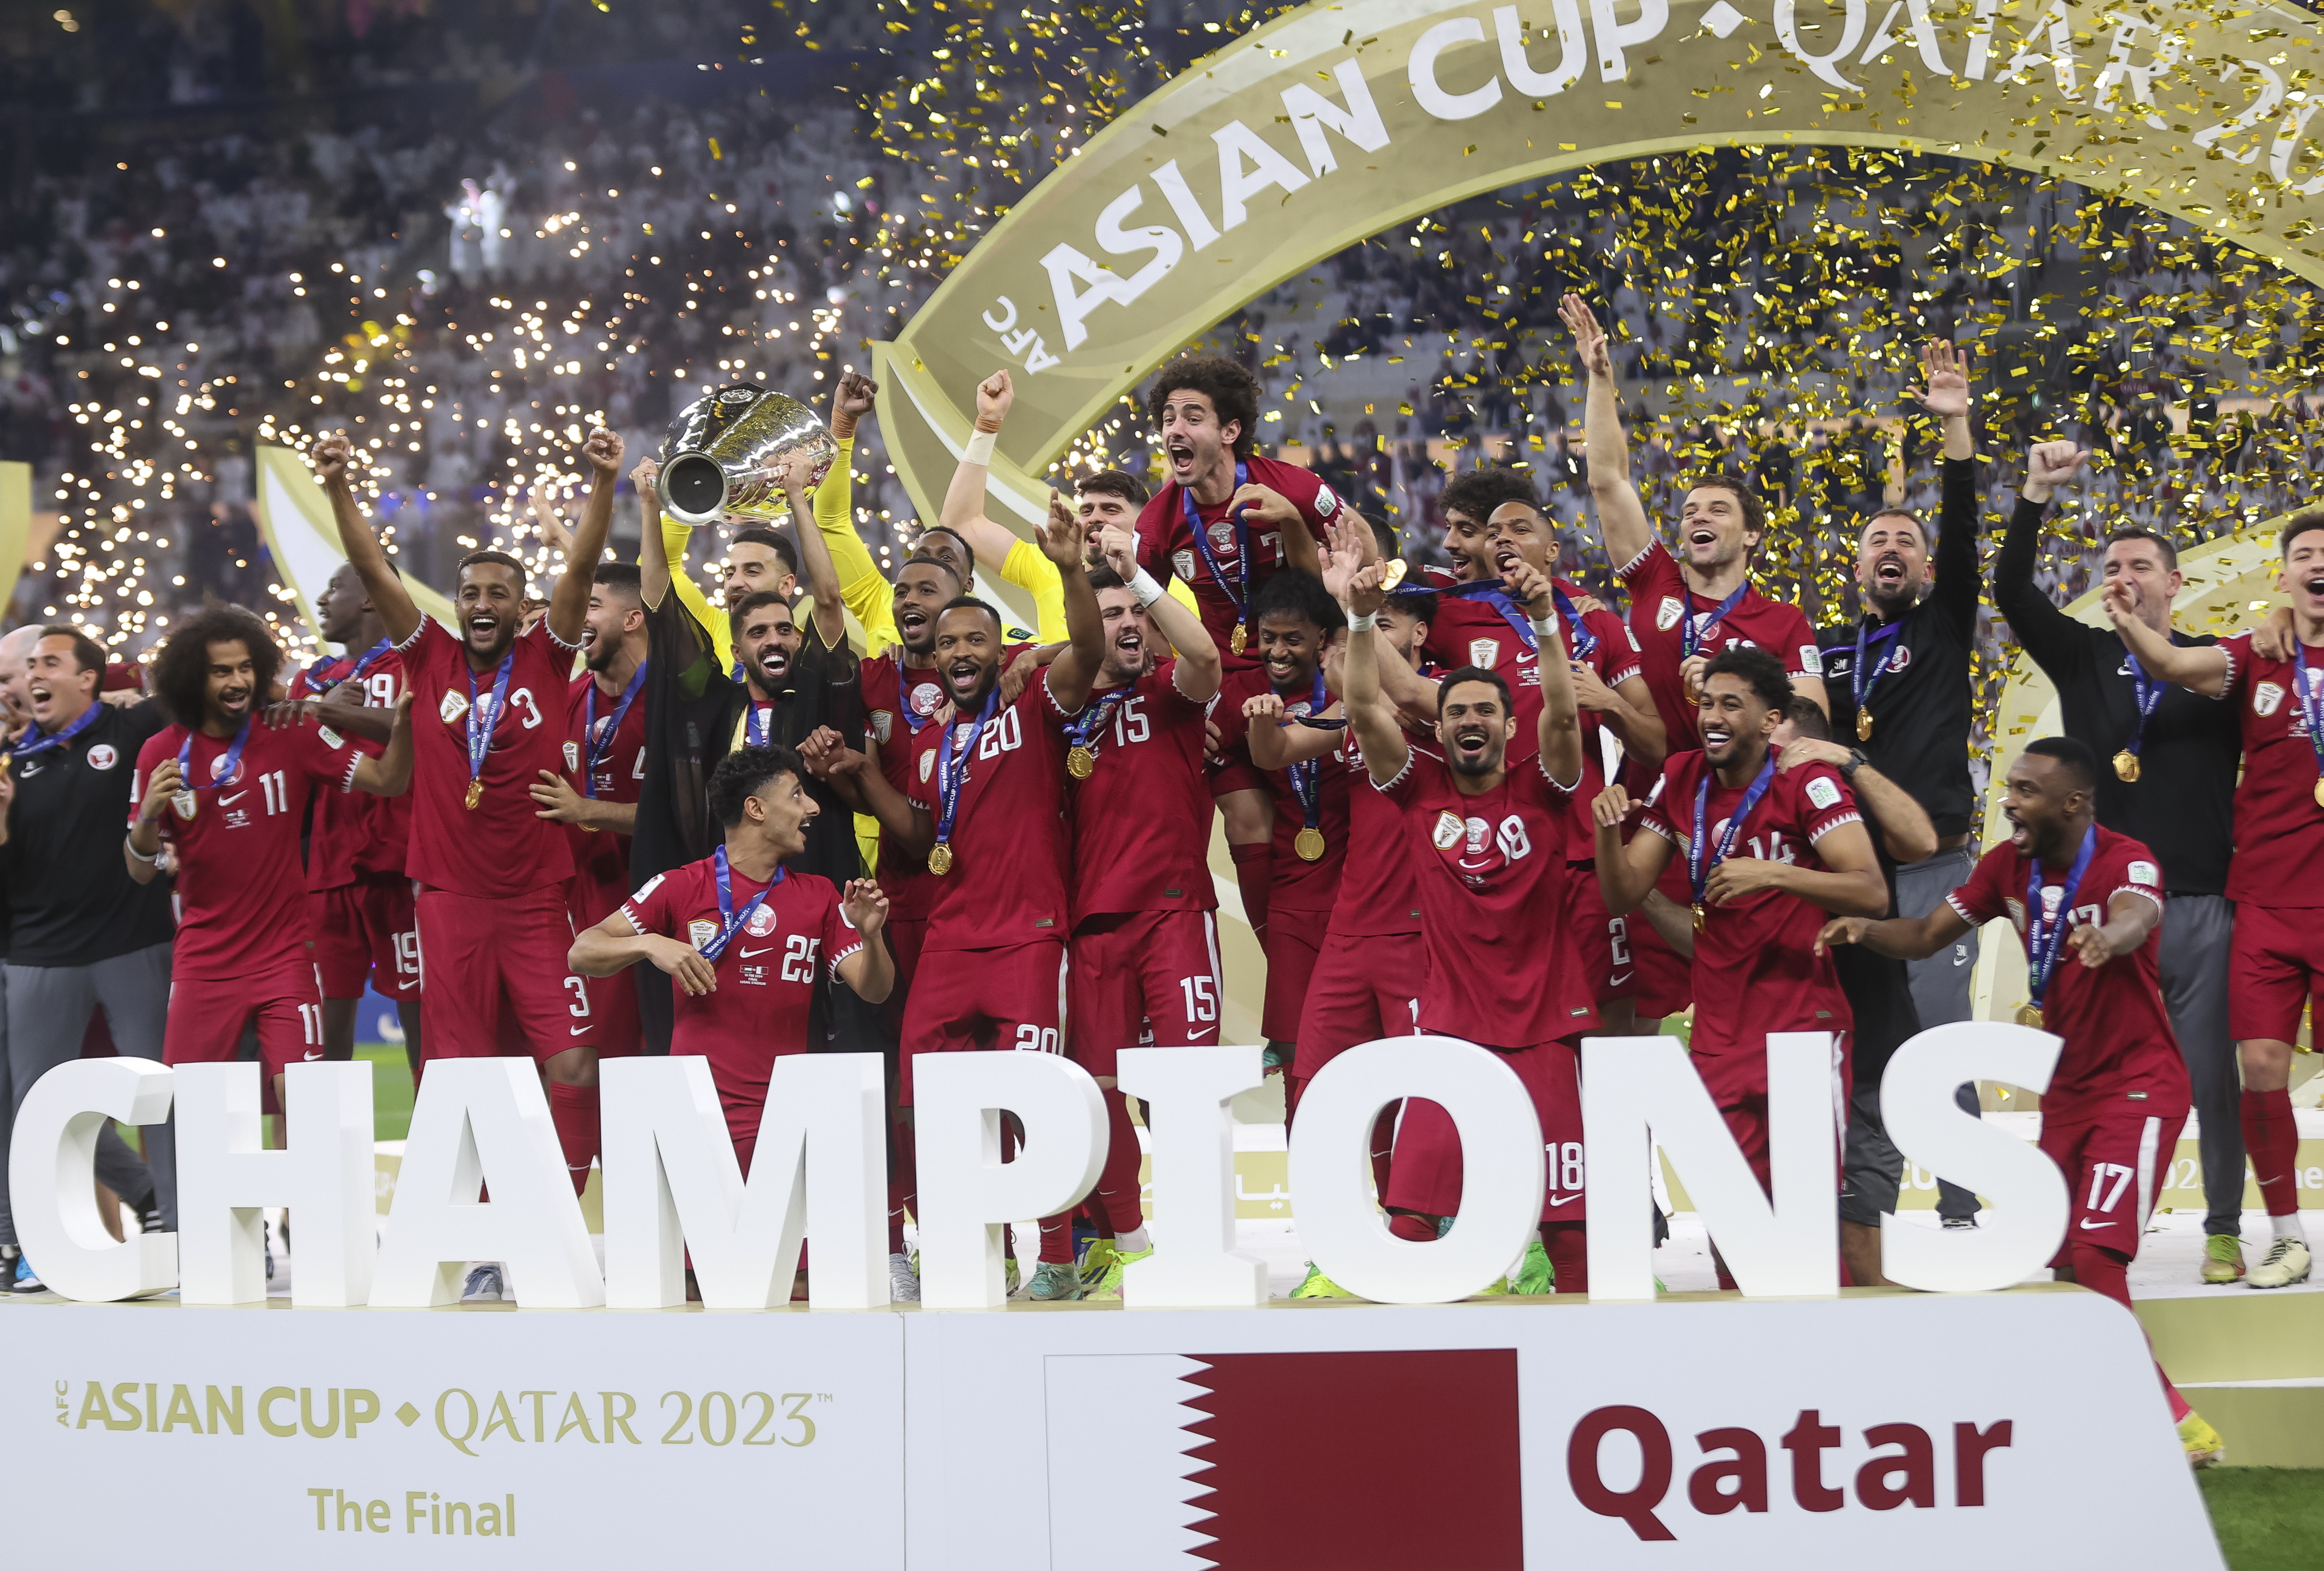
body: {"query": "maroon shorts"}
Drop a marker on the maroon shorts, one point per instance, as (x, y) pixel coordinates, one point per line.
(612, 1000)
(1601, 939)
(2115, 1158)
(2275, 965)
(284, 1003)
(1233, 773)
(964, 1000)
(1741, 1090)
(366, 930)
(905, 936)
(1362, 989)
(1143, 979)
(1665, 981)
(500, 986)
(1294, 940)
(1425, 1176)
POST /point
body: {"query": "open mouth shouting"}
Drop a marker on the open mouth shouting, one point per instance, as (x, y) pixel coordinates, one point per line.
(483, 627)
(1472, 746)
(1180, 453)
(2315, 586)
(1717, 739)
(1129, 649)
(1888, 574)
(774, 664)
(233, 701)
(913, 626)
(39, 694)
(1505, 559)
(1701, 538)
(963, 677)
(2020, 837)
(1283, 670)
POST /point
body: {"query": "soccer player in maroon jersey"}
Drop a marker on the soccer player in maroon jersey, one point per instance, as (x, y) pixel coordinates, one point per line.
(1764, 852)
(2277, 878)
(358, 901)
(1227, 522)
(1489, 830)
(606, 754)
(1298, 625)
(230, 795)
(491, 870)
(982, 810)
(743, 935)
(1143, 961)
(2088, 903)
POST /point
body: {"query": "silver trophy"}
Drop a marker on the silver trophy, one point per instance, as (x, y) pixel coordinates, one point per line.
(726, 453)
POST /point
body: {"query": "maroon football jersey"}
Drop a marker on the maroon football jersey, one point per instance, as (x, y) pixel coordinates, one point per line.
(501, 845)
(1299, 885)
(2117, 1034)
(1661, 606)
(2279, 822)
(1166, 547)
(1380, 883)
(355, 833)
(242, 902)
(1142, 818)
(615, 756)
(1007, 882)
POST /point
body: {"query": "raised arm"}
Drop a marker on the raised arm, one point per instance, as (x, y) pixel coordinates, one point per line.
(1198, 669)
(815, 561)
(568, 602)
(1075, 670)
(861, 584)
(1626, 873)
(871, 971)
(1945, 395)
(2051, 637)
(1369, 713)
(1632, 717)
(2199, 667)
(963, 510)
(1898, 937)
(390, 773)
(1621, 516)
(1559, 729)
(653, 544)
(331, 457)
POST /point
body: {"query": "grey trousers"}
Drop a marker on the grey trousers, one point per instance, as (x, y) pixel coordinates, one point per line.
(1941, 992)
(2198, 930)
(48, 1009)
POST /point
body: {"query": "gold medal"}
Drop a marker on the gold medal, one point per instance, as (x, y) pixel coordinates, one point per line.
(1238, 638)
(2125, 765)
(1080, 761)
(1309, 843)
(1393, 574)
(940, 858)
(2030, 1014)
(475, 794)
(1701, 918)
(1864, 725)
(2320, 793)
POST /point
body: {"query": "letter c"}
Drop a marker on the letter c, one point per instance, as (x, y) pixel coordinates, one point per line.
(1421, 71)
(275, 1394)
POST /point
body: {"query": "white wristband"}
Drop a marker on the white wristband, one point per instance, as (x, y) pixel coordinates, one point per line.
(1545, 628)
(1146, 588)
(1363, 624)
(980, 449)
(148, 861)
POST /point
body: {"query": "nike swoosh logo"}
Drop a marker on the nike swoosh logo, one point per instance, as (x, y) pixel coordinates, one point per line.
(310, 1057)
(1961, 955)
(2088, 1224)
(579, 1030)
(763, 949)
(1564, 1200)
(237, 796)
(1618, 981)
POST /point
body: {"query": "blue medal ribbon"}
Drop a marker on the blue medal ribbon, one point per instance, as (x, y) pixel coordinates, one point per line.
(1238, 592)
(1585, 643)
(1689, 635)
(596, 752)
(1496, 594)
(1307, 775)
(1699, 866)
(2044, 938)
(952, 765)
(730, 920)
(1082, 730)
(2150, 699)
(757, 727)
(483, 719)
(232, 759)
(328, 673)
(37, 741)
(2308, 681)
(1861, 682)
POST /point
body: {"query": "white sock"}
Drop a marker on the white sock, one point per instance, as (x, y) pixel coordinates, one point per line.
(1133, 1242)
(2288, 1227)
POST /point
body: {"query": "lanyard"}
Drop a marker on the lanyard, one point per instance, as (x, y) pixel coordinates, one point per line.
(1082, 732)
(2308, 680)
(952, 766)
(758, 723)
(1862, 682)
(1585, 643)
(1307, 776)
(1238, 592)
(42, 742)
(730, 920)
(2043, 936)
(1698, 867)
(1492, 593)
(483, 721)
(226, 773)
(600, 751)
(912, 723)
(1688, 636)
(326, 673)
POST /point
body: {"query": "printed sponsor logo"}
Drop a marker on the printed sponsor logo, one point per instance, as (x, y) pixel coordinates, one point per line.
(1822, 793)
(2146, 872)
(1812, 660)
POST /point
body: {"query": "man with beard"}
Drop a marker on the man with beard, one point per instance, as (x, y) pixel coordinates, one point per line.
(1296, 624)
(2276, 969)
(359, 901)
(983, 812)
(1804, 852)
(1143, 961)
(2170, 784)
(1226, 523)
(1898, 680)
(491, 871)
(230, 796)
(604, 751)
(1489, 834)
(2088, 903)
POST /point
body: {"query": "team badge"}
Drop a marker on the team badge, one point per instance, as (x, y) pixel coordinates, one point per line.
(698, 933)
(217, 771)
(103, 755)
(1822, 793)
(1448, 832)
(1222, 538)
(883, 725)
(927, 766)
(572, 755)
(761, 922)
(1667, 614)
(453, 707)
(1183, 564)
(1901, 658)
(2147, 874)
(925, 700)
(185, 804)
(1484, 652)
(2267, 699)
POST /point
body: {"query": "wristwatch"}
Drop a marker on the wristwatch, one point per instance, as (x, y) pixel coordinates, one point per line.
(1855, 761)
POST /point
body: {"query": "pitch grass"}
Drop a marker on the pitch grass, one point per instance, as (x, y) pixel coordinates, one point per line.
(390, 1087)
(2268, 1519)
